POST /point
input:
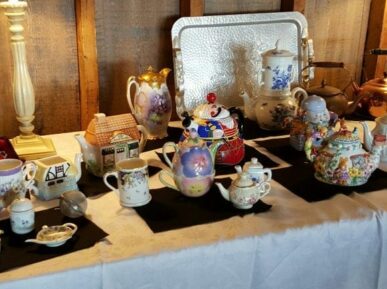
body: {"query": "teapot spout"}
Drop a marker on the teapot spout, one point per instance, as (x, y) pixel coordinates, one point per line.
(225, 193)
(164, 72)
(358, 96)
(77, 163)
(214, 149)
(82, 142)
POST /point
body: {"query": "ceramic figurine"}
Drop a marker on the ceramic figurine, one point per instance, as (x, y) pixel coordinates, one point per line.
(109, 139)
(56, 175)
(192, 165)
(22, 216)
(214, 123)
(343, 161)
(244, 192)
(377, 136)
(313, 119)
(152, 106)
(277, 103)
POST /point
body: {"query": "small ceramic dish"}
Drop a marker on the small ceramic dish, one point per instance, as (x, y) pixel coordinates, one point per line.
(54, 236)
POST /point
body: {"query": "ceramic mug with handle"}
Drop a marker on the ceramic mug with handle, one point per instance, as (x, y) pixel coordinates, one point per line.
(133, 182)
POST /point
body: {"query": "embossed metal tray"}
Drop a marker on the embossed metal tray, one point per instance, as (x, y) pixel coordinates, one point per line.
(222, 54)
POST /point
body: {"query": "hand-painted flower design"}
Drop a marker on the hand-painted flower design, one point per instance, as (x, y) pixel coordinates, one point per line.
(196, 162)
(281, 78)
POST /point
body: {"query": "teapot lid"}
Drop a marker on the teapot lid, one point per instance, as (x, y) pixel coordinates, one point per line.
(211, 110)
(253, 164)
(21, 205)
(314, 103)
(277, 52)
(382, 119)
(344, 138)
(244, 180)
(154, 79)
(324, 90)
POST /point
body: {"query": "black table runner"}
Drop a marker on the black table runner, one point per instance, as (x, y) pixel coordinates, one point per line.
(15, 252)
(169, 209)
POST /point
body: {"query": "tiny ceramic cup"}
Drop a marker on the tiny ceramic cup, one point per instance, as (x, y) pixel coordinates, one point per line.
(190, 187)
(22, 216)
(133, 182)
(16, 177)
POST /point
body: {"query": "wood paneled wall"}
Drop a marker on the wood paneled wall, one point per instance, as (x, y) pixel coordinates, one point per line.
(132, 34)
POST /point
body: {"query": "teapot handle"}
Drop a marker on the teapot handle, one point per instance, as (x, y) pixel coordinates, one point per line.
(264, 188)
(144, 136)
(131, 81)
(167, 160)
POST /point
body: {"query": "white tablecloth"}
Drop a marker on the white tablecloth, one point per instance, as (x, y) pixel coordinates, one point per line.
(336, 243)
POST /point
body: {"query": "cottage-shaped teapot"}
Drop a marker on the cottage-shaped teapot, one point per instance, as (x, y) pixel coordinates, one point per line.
(109, 139)
(56, 175)
(244, 192)
(343, 161)
(378, 136)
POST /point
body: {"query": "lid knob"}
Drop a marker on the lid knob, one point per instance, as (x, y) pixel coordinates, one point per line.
(211, 97)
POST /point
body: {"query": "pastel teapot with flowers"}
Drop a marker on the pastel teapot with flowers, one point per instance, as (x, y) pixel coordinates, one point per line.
(244, 192)
(215, 123)
(192, 165)
(152, 106)
(343, 161)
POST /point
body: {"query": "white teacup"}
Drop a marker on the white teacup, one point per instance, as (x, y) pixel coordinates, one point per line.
(15, 178)
(132, 178)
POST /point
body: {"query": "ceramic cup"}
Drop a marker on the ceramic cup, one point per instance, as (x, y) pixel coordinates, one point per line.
(132, 178)
(16, 177)
(190, 187)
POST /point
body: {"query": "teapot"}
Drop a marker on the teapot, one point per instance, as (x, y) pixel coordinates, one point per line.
(56, 175)
(343, 161)
(256, 170)
(244, 192)
(374, 97)
(214, 123)
(336, 99)
(109, 139)
(152, 105)
(192, 165)
(249, 105)
(377, 136)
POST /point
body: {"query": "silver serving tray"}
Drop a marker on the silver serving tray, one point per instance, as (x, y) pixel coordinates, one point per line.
(221, 54)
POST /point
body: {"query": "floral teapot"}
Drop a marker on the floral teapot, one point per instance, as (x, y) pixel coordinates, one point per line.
(377, 136)
(244, 192)
(192, 165)
(152, 105)
(343, 161)
(214, 123)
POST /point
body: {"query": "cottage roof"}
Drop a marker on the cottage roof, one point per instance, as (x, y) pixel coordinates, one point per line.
(102, 129)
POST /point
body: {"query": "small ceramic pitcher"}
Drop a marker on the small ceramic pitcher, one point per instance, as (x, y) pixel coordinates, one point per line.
(152, 105)
(22, 216)
(132, 177)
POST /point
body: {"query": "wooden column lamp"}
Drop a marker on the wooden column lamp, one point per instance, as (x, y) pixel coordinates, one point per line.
(28, 145)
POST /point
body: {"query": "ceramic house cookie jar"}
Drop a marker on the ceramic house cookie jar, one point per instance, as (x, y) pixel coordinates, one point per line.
(109, 139)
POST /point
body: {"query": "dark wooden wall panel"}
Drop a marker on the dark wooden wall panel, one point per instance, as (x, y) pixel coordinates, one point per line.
(131, 35)
(52, 60)
(241, 6)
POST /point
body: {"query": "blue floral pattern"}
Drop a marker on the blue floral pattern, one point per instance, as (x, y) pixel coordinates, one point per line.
(196, 162)
(281, 78)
